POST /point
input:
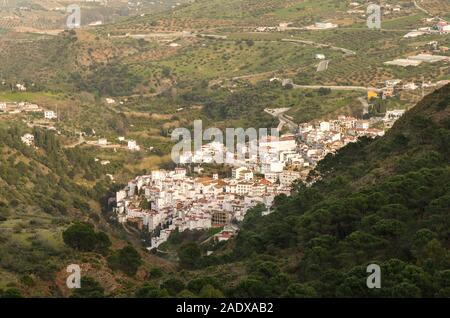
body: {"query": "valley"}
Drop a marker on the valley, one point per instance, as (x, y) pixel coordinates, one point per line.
(87, 112)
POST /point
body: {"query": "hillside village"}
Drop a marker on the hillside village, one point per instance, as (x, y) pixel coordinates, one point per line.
(164, 201)
(25, 107)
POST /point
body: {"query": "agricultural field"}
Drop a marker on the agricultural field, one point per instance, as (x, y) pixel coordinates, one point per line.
(228, 59)
(46, 16)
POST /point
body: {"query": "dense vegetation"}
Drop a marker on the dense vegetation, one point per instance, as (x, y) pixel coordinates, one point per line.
(83, 237)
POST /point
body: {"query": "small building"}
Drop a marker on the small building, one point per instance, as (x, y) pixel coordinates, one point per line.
(50, 114)
(371, 95)
(242, 173)
(21, 87)
(388, 92)
(320, 56)
(393, 114)
(410, 86)
(133, 146)
(325, 126)
(102, 142)
(28, 139)
(443, 27)
(286, 82)
(362, 124)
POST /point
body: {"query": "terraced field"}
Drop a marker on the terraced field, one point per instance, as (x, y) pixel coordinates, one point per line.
(238, 58)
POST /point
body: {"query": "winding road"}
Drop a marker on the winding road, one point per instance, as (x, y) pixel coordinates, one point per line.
(321, 45)
(421, 8)
(282, 117)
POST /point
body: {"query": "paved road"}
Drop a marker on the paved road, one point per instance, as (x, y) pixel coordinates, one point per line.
(284, 120)
(421, 8)
(80, 141)
(321, 45)
(365, 105)
(339, 88)
(255, 75)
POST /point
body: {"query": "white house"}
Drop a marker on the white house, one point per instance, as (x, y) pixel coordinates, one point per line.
(50, 114)
(243, 187)
(21, 87)
(133, 146)
(276, 166)
(362, 124)
(287, 177)
(320, 56)
(242, 173)
(410, 86)
(393, 114)
(275, 144)
(325, 126)
(27, 139)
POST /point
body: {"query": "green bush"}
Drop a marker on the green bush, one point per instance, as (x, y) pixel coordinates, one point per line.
(126, 260)
(82, 237)
(89, 289)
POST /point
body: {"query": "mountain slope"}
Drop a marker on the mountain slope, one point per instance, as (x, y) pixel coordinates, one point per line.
(44, 190)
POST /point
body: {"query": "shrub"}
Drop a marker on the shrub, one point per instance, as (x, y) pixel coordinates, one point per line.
(82, 237)
(126, 260)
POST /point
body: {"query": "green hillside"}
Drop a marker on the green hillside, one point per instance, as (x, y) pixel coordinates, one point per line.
(43, 191)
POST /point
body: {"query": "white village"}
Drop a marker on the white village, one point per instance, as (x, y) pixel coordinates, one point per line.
(164, 201)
